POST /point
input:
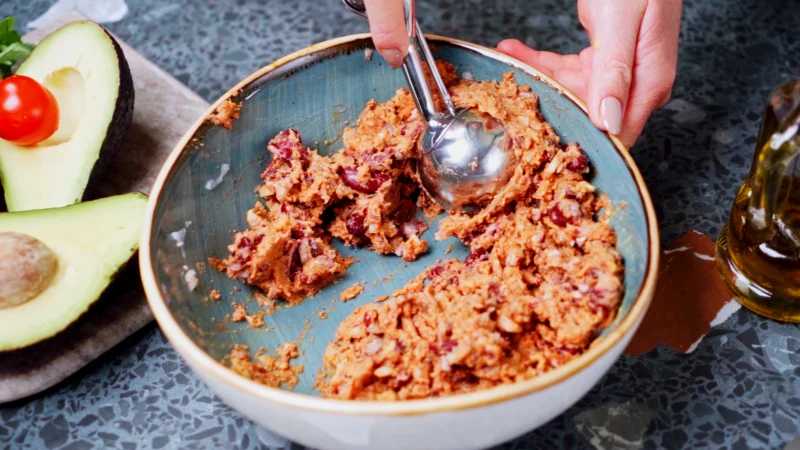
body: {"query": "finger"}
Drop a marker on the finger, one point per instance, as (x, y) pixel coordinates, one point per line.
(547, 62)
(654, 71)
(387, 24)
(585, 58)
(565, 69)
(585, 17)
(641, 104)
(614, 27)
(573, 80)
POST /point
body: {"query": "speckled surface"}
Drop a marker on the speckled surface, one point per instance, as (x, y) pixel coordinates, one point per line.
(739, 389)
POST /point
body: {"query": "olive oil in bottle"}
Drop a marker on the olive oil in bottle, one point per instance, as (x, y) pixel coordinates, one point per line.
(758, 251)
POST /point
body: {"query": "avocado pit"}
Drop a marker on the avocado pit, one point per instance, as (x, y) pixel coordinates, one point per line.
(27, 268)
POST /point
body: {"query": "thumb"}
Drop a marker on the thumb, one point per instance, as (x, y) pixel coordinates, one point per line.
(614, 27)
(387, 23)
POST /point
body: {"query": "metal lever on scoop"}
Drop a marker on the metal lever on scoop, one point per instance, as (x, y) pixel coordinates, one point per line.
(419, 54)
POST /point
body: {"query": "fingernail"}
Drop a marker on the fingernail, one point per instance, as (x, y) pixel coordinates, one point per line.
(611, 113)
(393, 57)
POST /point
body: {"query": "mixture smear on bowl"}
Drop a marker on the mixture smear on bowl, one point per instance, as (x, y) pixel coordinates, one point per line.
(542, 279)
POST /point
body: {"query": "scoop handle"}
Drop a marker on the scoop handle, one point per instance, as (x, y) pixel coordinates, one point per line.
(356, 7)
(419, 55)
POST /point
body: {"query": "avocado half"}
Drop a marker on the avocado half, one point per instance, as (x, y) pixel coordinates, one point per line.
(85, 69)
(91, 241)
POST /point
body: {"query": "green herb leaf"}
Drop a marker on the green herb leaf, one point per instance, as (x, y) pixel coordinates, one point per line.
(12, 49)
(7, 30)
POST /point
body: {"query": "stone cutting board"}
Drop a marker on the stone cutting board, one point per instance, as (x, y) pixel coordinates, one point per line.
(164, 110)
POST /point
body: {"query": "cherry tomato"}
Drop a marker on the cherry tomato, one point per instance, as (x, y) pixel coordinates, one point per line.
(28, 111)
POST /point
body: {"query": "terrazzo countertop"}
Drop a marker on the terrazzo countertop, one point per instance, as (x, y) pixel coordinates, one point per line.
(740, 388)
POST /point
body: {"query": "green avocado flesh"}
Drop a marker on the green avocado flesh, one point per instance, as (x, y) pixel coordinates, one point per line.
(91, 241)
(84, 68)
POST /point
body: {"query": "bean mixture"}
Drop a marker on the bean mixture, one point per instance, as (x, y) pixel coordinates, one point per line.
(542, 279)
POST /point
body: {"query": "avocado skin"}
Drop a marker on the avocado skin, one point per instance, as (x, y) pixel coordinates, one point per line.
(120, 121)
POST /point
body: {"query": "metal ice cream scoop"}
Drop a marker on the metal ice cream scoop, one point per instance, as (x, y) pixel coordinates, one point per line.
(464, 160)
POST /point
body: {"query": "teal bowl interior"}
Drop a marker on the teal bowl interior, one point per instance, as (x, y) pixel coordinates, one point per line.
(319, 94)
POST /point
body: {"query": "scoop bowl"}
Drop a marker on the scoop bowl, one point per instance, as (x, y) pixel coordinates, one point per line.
(467, 164)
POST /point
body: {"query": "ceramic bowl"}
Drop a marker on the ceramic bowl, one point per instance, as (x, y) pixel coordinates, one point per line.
(207, 185)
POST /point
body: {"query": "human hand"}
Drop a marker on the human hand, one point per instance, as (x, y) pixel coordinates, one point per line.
(629, 69)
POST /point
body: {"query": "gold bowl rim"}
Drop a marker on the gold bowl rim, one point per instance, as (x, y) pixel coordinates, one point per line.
(209, 366)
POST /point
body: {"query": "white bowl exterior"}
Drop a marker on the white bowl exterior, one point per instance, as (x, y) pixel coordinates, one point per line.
(473, 428)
